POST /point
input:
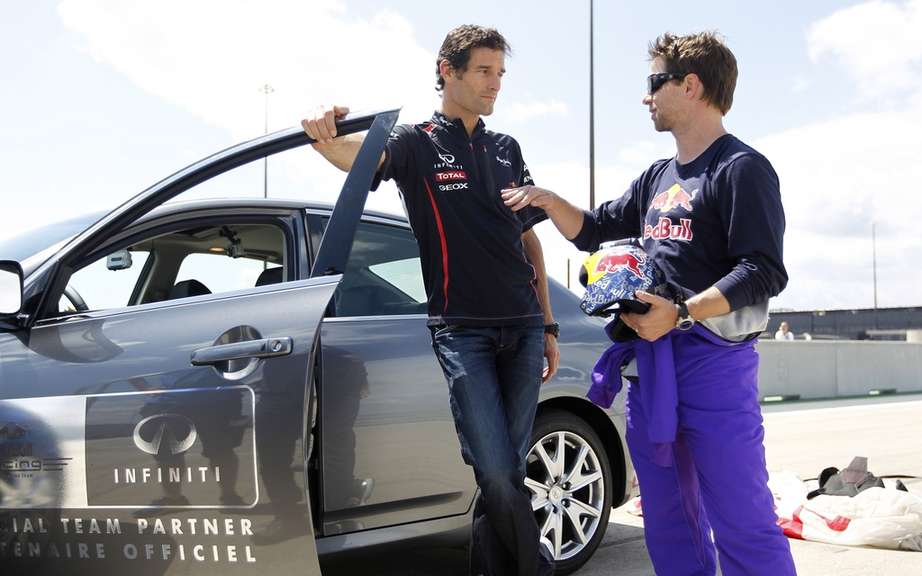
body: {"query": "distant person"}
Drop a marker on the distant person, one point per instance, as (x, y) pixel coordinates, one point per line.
(784, 332)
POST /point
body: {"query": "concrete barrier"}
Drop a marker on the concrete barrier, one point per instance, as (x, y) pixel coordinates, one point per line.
(827, 369)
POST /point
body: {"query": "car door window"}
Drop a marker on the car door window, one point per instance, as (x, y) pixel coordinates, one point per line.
(102, 284)
(195, 260)
(222, 274)
(382, 276)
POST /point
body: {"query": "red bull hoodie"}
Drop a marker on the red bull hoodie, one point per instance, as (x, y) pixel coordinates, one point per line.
(715, 221)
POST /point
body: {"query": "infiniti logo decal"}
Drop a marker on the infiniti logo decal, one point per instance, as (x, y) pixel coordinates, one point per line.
(172, 433)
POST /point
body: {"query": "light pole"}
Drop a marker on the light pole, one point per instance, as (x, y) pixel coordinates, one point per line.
(874, 265)
(266, 90)
(591, 107)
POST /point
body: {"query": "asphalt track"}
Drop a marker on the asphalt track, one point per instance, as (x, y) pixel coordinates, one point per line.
(803, 437)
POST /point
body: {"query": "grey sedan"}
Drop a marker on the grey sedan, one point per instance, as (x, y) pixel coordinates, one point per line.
(217, 386)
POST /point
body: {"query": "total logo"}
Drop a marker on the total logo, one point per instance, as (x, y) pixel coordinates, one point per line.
(450, 176)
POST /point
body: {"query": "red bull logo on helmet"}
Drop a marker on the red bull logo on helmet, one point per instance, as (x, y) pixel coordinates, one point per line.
(674, 197)
(607, 261)
(611, 262)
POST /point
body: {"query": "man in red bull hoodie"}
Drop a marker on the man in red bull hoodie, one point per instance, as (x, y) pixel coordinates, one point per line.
(711, 218)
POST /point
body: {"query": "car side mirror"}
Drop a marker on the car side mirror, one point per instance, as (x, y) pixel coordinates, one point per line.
(10, 288)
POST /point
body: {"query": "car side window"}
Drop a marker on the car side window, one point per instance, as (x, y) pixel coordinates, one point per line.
(199, 259)
(222, 274)
(382, 276)
(106, 283)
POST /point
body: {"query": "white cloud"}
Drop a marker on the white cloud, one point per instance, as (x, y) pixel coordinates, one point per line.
(837, 177)
(840, 175)
(211, 56)
(527, 111)
(876, 43)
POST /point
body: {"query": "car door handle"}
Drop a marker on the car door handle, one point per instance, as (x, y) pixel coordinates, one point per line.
(267, 348)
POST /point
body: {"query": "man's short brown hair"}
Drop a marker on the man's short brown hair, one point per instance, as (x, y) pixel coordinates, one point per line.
(458, 45)
(705, 55)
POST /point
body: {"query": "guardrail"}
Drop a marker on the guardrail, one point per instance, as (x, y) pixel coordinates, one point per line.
(829, 369)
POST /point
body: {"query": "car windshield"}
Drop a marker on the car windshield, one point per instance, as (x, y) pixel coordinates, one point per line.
(31, 242)
(26, 245)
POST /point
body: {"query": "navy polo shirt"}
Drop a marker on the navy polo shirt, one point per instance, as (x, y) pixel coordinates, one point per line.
(470, 243)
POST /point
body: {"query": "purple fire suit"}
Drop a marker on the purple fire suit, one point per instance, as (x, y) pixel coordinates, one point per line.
(696, 444)
(694, 424)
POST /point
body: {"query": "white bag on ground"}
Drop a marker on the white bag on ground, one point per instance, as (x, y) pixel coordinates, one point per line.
(879, 517)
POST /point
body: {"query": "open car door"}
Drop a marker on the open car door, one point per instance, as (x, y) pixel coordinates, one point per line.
(169, 437)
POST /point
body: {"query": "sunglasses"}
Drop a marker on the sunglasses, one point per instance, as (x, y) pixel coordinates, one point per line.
(656, 81)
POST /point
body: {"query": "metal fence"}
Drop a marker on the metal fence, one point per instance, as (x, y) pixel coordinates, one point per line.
(860, 324)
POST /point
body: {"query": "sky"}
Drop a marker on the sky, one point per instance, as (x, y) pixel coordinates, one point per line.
(103, 98)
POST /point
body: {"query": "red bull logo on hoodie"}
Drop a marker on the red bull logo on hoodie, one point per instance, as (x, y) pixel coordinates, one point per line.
(665, 228)
(673, 198)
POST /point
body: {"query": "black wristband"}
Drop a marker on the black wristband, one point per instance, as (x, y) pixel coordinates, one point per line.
(552, 329)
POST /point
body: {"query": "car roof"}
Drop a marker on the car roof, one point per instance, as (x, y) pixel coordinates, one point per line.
(205, 204)
(258, 203)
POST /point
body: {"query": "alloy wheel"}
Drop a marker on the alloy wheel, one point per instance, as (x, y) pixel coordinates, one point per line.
(568, 492)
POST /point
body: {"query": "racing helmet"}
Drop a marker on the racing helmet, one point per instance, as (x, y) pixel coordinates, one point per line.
(611, 276)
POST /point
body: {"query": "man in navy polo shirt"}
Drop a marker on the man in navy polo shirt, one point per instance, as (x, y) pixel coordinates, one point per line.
(711, 218)
(483, 269)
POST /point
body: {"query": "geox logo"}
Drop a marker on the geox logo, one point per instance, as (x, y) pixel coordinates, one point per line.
(454, 186)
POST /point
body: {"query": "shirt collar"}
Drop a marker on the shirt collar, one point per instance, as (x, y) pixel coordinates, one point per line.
(457, 124)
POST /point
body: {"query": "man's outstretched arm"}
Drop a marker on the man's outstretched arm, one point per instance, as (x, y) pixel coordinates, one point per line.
(340, 152)
(566, 217)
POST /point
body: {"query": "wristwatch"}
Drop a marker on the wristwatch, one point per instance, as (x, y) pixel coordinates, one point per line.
(683, 320)
(552, 329)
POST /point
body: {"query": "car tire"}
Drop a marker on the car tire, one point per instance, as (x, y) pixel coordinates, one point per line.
(564, 496)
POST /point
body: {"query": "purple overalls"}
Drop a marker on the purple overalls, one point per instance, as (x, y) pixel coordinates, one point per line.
(694, 430)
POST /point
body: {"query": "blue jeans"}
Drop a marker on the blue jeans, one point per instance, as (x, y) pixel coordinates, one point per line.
(494, 375)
